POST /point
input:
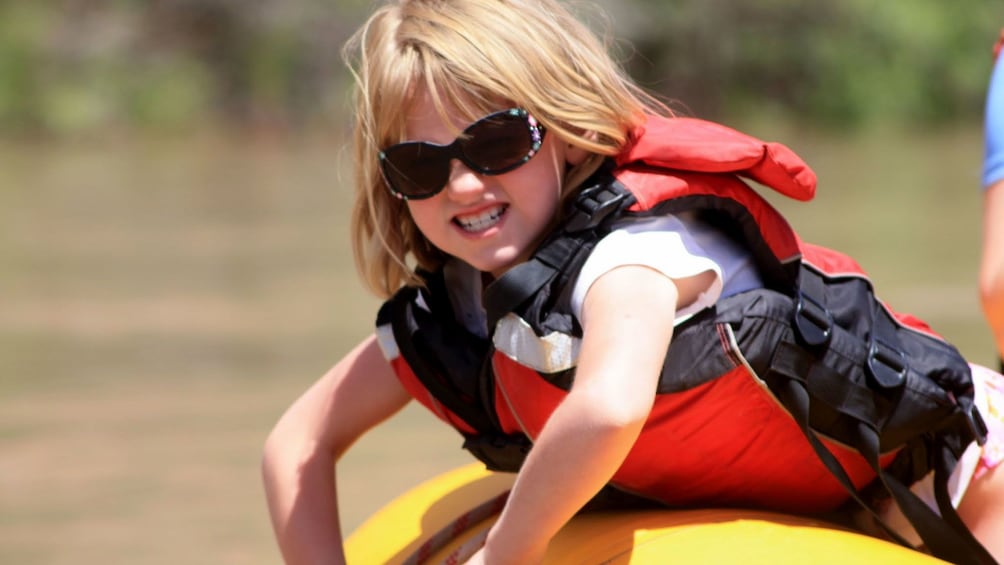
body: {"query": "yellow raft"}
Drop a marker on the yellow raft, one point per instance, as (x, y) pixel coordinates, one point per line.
(445, 519)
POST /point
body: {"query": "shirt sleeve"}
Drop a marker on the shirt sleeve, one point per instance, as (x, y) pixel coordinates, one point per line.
(664, 244)
(993, 160)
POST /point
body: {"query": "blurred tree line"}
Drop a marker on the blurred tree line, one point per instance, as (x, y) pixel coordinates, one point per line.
(71, 66)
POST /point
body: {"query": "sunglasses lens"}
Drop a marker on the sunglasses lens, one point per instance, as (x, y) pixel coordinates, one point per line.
(499, 142)
(415, 170)
(492, 145)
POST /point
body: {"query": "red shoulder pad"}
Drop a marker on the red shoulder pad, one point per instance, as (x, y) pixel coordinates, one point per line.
(691, 144)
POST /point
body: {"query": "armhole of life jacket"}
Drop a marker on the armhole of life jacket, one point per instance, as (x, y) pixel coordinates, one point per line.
(737, 223)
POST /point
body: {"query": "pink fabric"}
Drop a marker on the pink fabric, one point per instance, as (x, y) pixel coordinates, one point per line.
(992, 410)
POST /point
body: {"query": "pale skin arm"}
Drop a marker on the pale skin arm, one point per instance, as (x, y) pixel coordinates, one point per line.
(992, 263)
(588, 436)
(298, 465)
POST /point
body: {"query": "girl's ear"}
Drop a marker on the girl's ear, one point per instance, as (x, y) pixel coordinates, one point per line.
(575, 155)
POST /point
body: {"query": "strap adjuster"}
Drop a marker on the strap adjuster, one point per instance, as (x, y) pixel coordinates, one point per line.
(813, 322)
(886, 365)
(593, 205)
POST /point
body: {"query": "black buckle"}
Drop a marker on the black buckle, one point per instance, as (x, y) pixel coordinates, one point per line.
(504, 453)
(886, 365)
(976, 424)
(813, 322)
(592, 206)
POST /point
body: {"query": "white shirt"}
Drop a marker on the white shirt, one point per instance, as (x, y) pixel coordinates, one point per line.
(678, 246)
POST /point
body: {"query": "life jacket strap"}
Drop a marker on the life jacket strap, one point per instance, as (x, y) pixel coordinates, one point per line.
(806, 376)
(577, 236)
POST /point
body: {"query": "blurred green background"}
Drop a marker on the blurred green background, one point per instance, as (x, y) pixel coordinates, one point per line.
(174, 263)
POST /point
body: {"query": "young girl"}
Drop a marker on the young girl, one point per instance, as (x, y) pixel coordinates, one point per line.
(482, 128)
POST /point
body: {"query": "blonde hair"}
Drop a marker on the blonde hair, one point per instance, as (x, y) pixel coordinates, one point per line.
(472, 55)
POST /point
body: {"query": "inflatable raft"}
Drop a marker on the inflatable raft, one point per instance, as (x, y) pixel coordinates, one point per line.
(445, 520)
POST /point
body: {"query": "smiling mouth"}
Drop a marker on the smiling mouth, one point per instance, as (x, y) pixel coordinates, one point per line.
(479, 222)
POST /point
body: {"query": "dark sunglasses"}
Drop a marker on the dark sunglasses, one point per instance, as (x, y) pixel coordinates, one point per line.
(495, 144)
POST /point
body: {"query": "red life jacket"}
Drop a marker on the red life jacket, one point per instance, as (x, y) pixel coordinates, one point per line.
(720, 440)
(813, 344)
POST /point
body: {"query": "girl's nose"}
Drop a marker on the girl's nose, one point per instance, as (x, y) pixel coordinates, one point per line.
(464, 185)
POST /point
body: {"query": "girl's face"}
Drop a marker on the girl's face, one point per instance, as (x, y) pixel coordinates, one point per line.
(491, 222)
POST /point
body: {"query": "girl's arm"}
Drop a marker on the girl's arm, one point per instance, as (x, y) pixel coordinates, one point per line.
(992, 263)
(627, 321)
(298, 466)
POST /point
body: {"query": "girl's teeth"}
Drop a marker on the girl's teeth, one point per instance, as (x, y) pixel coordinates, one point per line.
(482, 221)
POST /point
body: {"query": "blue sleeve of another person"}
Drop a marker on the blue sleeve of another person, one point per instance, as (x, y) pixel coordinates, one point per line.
(993, 160)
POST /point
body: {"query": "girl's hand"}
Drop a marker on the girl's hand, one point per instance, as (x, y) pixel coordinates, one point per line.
(498, 556)
(477, 559)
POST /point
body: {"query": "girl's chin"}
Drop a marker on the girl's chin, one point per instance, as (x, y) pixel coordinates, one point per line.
(495, 265)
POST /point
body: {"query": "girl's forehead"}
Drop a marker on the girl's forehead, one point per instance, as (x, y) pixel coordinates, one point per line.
(427, 121)
(448, 112)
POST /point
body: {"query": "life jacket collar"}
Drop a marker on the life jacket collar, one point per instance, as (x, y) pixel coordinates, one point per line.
(691, 144)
